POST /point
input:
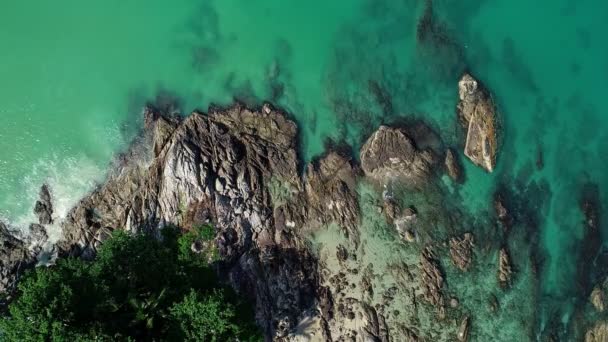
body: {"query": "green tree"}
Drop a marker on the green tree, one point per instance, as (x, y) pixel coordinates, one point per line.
(138, 288)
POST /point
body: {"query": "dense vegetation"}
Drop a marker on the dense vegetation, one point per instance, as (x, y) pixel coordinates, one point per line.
(138, 288)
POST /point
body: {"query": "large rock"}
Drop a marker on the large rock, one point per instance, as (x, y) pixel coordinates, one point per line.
(477, 112)
(432, 281)
(391, 154)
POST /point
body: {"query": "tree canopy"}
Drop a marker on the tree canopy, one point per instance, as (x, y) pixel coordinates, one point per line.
(138, 288)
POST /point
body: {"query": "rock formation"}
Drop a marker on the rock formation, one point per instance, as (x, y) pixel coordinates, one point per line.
(477, 112)
(391, 154)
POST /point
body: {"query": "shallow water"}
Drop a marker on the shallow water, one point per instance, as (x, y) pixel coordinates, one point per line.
(74, 77)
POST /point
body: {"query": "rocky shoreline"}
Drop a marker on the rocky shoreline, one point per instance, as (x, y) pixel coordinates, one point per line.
(239, 169)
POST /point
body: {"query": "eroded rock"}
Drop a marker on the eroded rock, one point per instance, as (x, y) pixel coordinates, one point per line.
(15, 257)
(597, 333)
(477, 112)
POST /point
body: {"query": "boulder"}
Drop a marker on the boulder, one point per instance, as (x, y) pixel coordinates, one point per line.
(478, 114)
(391, 154)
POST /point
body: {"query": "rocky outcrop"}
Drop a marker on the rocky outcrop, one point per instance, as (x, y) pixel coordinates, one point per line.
(461, 251)
(505, 270)
(44, 207)
(14, 258)
(237, 168)
(478, 114)
(391, 154)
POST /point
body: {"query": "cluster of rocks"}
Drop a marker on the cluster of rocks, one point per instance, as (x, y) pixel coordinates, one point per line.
(238, 168)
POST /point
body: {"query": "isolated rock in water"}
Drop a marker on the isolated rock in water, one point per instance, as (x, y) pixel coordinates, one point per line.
(44, 207)
(461, 251)
(598, 333)
(14, 258)
(463, 330)
(476, 110)
(452, 166)
(505, 270)
(390, 153)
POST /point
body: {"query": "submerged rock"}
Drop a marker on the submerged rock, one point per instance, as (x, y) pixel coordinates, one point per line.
(461, 251)
(505, 270)
(598, 333)
(431, 281)
(452, 166)
(477, 112)
(391, 154)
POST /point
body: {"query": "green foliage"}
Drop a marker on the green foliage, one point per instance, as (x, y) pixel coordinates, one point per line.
(204, 236)
(137, 288)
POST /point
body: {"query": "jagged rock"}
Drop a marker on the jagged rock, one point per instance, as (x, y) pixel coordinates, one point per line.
(476, 110)
(391, 209)
(452, 166)
(14, 258)
(598, 333)
(461, 251)
(505, 270)
(38, 235)
(341, 253)
(390, 153)
(44, 207)
(432, 280)
(463, 330)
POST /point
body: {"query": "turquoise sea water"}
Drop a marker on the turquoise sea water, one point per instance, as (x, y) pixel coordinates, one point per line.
(75, 74)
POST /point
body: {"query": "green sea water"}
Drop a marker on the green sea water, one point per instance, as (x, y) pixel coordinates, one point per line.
(76, 74)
